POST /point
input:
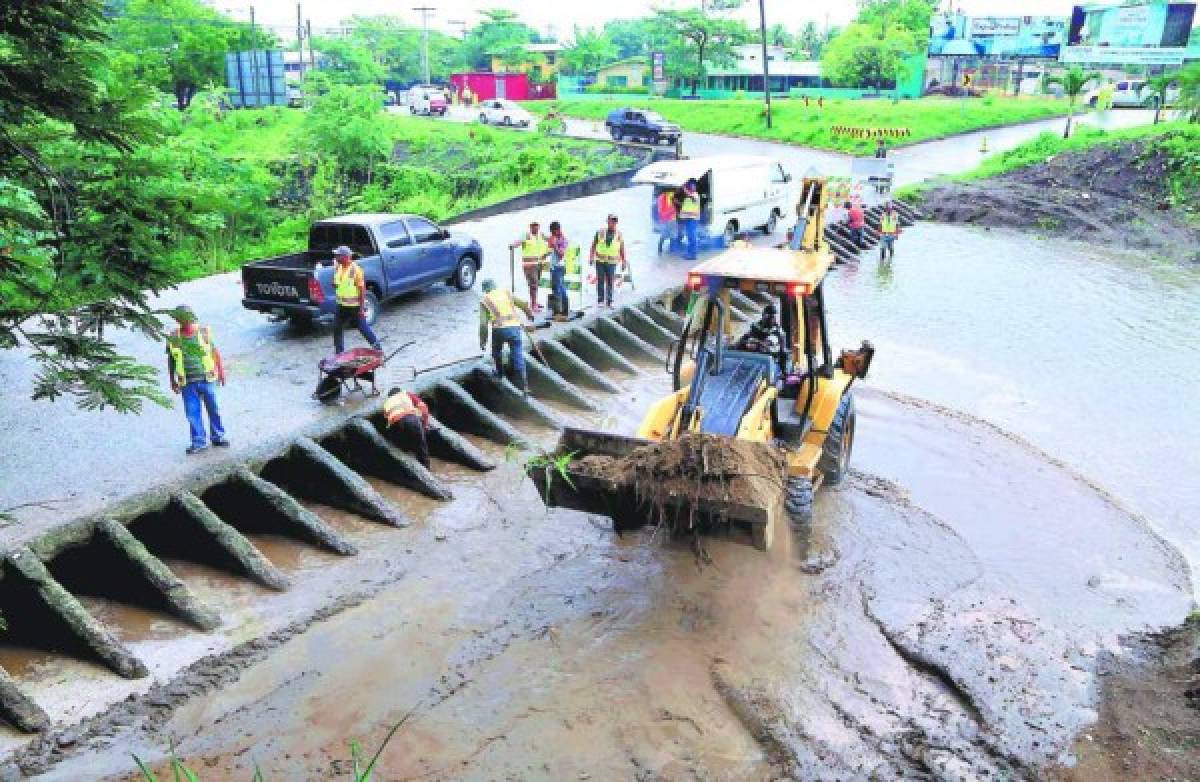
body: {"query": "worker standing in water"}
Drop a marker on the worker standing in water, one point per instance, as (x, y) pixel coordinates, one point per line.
(608, 249)
(500, 314)
(408, 415)
(889, 229)
(534, 252)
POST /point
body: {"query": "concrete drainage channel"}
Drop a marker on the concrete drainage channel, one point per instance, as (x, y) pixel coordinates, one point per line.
(120, 556)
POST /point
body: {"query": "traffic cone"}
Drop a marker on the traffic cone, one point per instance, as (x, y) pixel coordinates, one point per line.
(983, 148)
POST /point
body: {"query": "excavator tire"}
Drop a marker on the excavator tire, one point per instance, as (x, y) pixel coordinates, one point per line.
(839, 443)
(798, 501)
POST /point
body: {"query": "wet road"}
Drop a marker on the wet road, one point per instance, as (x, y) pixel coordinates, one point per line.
(272, 370)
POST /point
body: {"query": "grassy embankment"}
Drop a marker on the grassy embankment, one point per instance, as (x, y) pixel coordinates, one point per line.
(795, 123)
(1180, 141)
(440, 169)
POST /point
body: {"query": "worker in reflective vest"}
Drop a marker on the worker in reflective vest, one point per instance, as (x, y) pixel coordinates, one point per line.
(194, 367)
(407, 420)
(558, 268)
(608, 249)
(534, 252)
(889, 229)
(500, 314)
(689, 217)
(355, 304)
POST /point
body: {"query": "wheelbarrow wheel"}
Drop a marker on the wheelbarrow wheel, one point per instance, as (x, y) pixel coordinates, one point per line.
(329, 388)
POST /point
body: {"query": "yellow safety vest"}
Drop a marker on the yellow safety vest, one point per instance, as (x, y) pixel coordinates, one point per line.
(398, 407)
(888, 224)
(345, 284)
(690, 208)
(534, 248)
(609, 252)
(175, 347)
(499, 305)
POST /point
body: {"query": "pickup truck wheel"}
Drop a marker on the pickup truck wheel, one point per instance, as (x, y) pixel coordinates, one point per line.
(464, 275)
(371, 307)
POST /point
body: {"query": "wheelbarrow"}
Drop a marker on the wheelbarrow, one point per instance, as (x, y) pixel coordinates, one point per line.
(349, 370)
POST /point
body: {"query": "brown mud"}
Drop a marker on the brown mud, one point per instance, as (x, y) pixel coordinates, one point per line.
(1112, 195)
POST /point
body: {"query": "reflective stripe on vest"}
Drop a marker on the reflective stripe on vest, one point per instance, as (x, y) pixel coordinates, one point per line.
(345, 284)
(499, 305)
(534, 248)
(609, 252)
(888, 224)
(690, 208)
(204, 340)
(398, 407)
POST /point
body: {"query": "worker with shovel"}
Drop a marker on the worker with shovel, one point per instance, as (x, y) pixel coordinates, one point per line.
(534, 252)
(500, 313)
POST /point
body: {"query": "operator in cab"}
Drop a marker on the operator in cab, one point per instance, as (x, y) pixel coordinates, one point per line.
(767, 337)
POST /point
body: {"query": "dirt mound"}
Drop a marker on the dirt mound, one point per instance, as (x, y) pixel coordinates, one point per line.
(1114, 195)
(675, 478)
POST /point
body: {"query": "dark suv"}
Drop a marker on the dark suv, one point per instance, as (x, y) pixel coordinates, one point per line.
(641, 125)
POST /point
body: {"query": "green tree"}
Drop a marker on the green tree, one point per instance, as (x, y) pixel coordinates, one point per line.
(91, 193)
(634, 37)
(1073, 82)
(500, 33)
(180, 45)
(396, 46)
(1156, 90)
(348, 61)
(811, 40)
(697, 41)
(778, 35)
(1188, 80)
(589, 50)
(343, 128)
(912, 15)
(863, 55)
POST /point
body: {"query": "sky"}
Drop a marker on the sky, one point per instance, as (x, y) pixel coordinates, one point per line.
(560, 17)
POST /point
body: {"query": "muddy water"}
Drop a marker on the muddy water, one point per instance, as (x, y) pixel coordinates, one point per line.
(1094, 357)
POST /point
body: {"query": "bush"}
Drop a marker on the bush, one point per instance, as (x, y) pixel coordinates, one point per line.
(600, 89)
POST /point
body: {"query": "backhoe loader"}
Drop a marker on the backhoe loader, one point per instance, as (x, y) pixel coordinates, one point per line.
(795, 405)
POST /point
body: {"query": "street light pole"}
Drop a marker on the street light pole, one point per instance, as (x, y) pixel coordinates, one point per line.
(425, 11)
(762, 27)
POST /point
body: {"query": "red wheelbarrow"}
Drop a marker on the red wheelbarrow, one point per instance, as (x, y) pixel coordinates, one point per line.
(349, 370)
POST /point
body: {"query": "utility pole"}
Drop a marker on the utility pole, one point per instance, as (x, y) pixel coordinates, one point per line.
(312, 56)
(762, 27)
(425, 11)
(300, 39)
(254, 59)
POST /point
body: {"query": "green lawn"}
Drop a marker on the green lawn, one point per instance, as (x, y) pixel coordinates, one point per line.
(794, 123)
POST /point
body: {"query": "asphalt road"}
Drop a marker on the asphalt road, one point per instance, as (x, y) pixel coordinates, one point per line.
(61, 462)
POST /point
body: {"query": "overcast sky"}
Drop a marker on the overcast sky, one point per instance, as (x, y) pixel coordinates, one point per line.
(560, 16)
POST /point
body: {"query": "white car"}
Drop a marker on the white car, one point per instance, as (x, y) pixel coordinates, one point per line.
(504, 112)
(1132, 94)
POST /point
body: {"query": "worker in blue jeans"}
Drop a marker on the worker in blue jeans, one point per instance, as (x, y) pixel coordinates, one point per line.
(689, 217)
(195, 368)
(500, 314)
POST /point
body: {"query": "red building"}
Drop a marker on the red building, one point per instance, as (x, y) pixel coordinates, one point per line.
(511, 86)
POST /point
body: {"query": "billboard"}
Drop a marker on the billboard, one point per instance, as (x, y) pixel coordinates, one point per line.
(954, 34)
(1144, 33)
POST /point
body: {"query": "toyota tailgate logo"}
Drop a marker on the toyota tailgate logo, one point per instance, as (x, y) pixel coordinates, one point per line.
(277, 289)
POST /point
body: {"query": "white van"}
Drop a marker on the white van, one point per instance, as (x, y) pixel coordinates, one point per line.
(738, 193)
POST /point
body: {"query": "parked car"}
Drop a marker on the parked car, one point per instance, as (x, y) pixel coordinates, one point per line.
(427, 101)
(504, 112)
(398, 253)
(737, 192)
(1133, 93)
(641, 125)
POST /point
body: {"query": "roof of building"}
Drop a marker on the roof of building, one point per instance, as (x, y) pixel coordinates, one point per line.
(635, 60)
(776, 67)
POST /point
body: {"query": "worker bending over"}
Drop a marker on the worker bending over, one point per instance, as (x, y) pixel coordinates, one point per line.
(500, 313)
(409, 415)
(351, 292)
(766, 336)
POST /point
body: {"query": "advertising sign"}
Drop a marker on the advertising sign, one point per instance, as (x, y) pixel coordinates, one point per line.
(658, 61)
(952, 34)
(1132, 26)
(1123, 55)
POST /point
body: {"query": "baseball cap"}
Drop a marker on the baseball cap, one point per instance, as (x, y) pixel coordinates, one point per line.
(342, 250)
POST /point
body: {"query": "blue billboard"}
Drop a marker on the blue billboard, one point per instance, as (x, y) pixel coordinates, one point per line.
(954, 34)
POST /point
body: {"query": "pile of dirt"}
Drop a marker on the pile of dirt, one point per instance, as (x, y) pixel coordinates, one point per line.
(1149, 725)
(674, 478)
(1113, 195)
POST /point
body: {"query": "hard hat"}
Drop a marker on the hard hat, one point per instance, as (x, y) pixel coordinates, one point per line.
(341, 250)
(488, 285)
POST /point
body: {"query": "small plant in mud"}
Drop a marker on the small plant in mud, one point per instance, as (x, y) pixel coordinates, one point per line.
(544, 462)
(1048, 224)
